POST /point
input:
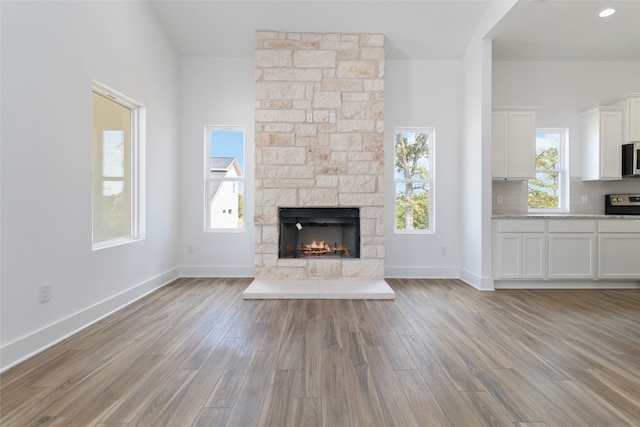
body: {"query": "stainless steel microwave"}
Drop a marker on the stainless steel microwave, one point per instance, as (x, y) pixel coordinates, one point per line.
(631, 159)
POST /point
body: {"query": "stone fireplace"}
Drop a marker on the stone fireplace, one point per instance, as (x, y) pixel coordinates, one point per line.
(319, 137)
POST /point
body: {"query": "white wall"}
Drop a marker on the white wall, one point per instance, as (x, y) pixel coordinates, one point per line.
(418, 93)
(476, 166)
(475, 159)
(51, 51)
(214, 91)
(562, 90)
(425, 94)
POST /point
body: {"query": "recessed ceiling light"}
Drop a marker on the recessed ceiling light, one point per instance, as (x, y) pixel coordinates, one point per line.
(606, 12)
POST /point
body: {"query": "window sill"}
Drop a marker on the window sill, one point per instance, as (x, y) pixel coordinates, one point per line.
(115, 242)
(226, 230)
(413, 231)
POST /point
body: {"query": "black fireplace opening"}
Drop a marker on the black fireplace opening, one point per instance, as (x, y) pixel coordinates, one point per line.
(319, 232)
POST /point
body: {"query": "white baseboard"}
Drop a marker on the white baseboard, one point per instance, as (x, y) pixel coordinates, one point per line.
(217, 271)
(473, 280)
(478, 282)
(404, 272)
(567, 284)
(28, 346)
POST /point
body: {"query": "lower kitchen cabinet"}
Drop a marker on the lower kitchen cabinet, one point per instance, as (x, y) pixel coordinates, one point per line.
(572, 249)
(619, 249)
(521, 256)
(580, 250)
(521, 249)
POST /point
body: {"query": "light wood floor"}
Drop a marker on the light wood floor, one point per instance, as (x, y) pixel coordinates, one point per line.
(442, 354)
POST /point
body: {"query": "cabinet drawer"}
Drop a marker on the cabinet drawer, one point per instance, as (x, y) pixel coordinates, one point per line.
(572, 226)
(521, 226)
(619, 226)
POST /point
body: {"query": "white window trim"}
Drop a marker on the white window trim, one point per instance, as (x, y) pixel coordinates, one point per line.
(138, 168)
(207, 145)
(563, 172)
(432, 173)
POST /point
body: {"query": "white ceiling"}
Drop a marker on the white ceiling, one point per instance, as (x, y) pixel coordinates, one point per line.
(568, 30)
(427, 29)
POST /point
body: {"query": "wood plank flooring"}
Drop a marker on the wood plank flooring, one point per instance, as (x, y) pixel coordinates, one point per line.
(195, 353)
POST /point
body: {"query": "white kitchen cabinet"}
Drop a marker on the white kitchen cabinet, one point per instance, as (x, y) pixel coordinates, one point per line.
(630, 117)
(520, 247)
(572, 249)
(513, 143)
(601, 135)
(569, 250)
(619, 249)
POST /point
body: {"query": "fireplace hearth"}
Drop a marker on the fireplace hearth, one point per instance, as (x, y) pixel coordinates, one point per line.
(319, 233)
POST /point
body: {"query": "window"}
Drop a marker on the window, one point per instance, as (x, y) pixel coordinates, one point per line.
(224, 178)
(549, 191)
(413, 178)
(116, 145)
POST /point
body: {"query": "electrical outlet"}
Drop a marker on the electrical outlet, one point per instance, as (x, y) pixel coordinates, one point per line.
(443, 250)
(309, 117)
(499, 200)
(190, 249)
(584, 199)
(44, 293)
(332, 117)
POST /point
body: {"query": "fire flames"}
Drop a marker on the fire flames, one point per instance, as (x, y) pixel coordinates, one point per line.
(322, 248)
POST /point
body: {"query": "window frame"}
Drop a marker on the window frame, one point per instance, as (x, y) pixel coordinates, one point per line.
(431, 131)
(562, 171)
(240, 181)
(136, 170)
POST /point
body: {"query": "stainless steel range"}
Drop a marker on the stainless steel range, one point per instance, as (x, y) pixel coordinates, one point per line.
(622, 204)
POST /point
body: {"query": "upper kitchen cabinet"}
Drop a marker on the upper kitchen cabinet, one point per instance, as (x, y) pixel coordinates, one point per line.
(513, 143)
(601, 134)
(630, 118)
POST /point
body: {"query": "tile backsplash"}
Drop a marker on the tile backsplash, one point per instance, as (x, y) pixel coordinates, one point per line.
(513, 195)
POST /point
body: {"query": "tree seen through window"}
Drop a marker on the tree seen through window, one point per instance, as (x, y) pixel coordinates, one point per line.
(413, 166)
(545, 191)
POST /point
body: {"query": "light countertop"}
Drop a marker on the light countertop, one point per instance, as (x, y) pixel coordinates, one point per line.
(563, 216)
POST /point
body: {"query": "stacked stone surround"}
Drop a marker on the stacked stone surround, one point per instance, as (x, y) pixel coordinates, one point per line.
(319, 163)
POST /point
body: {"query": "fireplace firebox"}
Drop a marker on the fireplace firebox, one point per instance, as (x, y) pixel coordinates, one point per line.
(319, 232)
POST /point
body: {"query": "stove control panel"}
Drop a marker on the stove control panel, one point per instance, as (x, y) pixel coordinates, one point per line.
(622, 204)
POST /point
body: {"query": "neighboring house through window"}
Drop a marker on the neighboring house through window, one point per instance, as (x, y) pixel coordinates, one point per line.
(117, 124)
(225, 178)
(549, 191)
(413, 178)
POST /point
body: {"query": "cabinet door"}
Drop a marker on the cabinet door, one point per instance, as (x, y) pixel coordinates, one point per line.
(601, 134)
(521, 256)
(509, 255)
(571, 255)
(619, 256)
(533, 256)
(611, 142)
(499, 129)
(521, 150)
